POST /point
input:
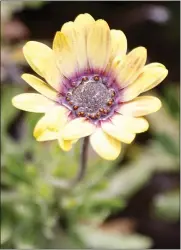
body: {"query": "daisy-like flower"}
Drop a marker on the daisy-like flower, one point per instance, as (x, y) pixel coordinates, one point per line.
(90, 87)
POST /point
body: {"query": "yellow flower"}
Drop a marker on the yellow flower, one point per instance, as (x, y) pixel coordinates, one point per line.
(91, 87)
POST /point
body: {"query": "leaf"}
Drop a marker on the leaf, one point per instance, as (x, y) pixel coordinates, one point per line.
(33, 4)
(100, 239)
(168, 143)
(171, 99)
(126, 181)
(8, 112)
(167, 206)
(6, 232)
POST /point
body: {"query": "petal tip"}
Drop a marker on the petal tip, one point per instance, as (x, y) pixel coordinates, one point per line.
(166, 72)
(13, 101)
(23, 76)
(142, 50)
(102, 22)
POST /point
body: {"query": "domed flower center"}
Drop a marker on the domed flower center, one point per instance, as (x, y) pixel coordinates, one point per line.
(91, 97)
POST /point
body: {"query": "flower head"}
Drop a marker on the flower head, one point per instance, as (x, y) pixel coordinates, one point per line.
(91, 87)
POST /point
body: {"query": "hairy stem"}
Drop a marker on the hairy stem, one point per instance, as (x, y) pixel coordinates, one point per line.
(67, 185)
(83, 162)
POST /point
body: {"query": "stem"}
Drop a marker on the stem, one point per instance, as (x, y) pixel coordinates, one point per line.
(83, 162)
(81, 172)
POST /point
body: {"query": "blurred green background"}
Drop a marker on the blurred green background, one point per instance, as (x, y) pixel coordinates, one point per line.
(130, 203)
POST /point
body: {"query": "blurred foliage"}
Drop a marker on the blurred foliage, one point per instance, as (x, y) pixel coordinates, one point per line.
(37, 211)
(9, 7)
(167, 205)
(96, 238)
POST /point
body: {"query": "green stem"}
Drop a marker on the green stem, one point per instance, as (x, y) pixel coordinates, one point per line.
(81, 171)
(83, 162)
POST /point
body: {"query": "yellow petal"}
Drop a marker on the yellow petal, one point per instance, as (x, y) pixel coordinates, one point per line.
(77, 34)
(37, 55)
(154, 65)
(32, 102)
(60, 43)
(105, 146)
(84, 22)
(41, 58)
(65, 55)
(51, 123)
(114, 63)
(77, 37)
(53, 76)
(47, 135)
(131, 124)
(118, 43)
(148, 79)
(67, 29)
(160, 74)
(40, 86)
(99, 45)
(65, 145)
(118, 132)
(77, 128)
(140, 106)
(130, 67)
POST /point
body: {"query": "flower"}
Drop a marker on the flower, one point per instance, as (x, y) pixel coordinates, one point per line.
(91, 87)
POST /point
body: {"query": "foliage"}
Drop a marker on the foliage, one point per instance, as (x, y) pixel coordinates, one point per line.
(166, 206)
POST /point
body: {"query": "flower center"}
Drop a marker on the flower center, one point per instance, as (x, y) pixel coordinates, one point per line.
(91, 97)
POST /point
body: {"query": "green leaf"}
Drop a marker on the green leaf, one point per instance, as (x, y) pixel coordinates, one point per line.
(8, 112)
(167, 206)
(98, 238)
(171, 96)
(126, 181)
(168, 144)
(6, 232)
(33, 4)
